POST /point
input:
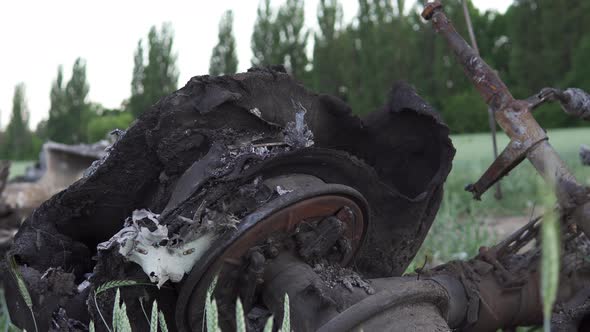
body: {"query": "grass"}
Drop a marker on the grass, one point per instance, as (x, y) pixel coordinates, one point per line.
(459, 229)
(17, 168)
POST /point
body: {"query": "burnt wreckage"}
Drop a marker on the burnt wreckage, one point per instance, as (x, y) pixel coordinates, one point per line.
(274, 190)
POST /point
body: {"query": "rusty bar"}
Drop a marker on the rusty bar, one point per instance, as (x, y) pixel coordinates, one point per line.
(527, 137)
(489, 85)
(491, 120)
(556, 173)
(510, 157)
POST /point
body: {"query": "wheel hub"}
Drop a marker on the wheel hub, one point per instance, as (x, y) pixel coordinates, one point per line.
(312, 219)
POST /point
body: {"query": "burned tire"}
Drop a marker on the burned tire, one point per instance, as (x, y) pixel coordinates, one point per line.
(204, 153)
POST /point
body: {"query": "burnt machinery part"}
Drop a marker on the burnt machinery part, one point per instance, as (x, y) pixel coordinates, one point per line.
(397, 158)
(307, 200)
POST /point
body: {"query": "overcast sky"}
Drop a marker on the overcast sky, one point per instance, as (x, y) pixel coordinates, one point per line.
(37, 36)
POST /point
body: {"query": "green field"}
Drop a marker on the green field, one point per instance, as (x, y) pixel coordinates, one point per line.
(18, 167)
(521, 187)
(459, 229)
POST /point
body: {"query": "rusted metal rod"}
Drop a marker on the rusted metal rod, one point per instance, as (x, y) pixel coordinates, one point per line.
(527, 138)
(490, 86)
(491, 121)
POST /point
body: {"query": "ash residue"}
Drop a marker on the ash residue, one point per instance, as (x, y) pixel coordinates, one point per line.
(217, 221)
(334, 275)
(282, 191)
(61, 322)
(297, 134)
(58, 281)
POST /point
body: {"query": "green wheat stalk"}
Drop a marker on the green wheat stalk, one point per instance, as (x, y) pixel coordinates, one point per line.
(268, 325)
(163, 325)
(212, 316)
(209, 306)
(240, 321)
(286, 326)
(154, 320)
(22, 288)
(118, 284)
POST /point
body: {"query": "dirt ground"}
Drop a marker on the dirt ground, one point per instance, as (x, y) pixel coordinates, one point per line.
(504, 226)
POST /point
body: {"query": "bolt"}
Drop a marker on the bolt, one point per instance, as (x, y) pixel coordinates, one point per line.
(272, 251)
(189, 251)
(430, 9)
(346, 214)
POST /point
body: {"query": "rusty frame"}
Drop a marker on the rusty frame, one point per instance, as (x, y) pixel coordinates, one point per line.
(527, 139)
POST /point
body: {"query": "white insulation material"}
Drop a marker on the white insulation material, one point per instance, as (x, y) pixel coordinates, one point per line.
(150, 249)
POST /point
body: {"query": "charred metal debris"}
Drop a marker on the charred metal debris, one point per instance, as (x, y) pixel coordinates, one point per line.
(226, 176)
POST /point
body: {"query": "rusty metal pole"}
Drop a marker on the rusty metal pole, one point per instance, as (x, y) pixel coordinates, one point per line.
(492, 122)
(527, 139)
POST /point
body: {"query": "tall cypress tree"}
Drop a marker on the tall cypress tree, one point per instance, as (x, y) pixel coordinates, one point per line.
(265, 37)
(56, 124)
(69, 112)
(159, 77)
(293, 37)
(224, 59)
(78, 107)
(136, 102)
(18, 144)
(281, 38)
(328, 52)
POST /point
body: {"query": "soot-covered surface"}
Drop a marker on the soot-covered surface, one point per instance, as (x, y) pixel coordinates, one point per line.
(206, 135)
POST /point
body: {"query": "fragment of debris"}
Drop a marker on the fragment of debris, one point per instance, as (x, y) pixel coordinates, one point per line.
(281, 191)
(574, 101)
(219, 167)
(256, 112)
(297, 133)
(334, 275)
(145, 241)
(577, 103)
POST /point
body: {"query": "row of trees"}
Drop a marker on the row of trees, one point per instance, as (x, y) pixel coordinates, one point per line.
(74, 119)
(536, 43)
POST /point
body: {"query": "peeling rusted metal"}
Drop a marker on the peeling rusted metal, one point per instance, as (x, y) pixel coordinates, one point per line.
(574, 101)
(279, 223)
(508, 292)
(527, 138)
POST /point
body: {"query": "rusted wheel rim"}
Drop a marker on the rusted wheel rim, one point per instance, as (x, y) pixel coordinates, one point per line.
(281, 217)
